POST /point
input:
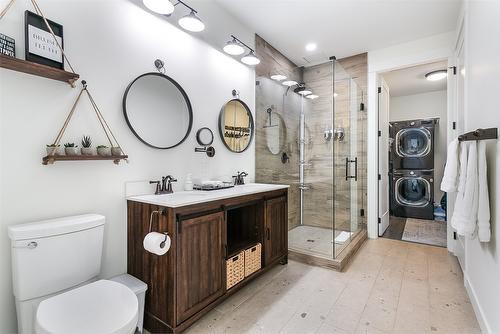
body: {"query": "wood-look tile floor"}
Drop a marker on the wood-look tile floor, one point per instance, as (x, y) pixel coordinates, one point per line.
(390, 287)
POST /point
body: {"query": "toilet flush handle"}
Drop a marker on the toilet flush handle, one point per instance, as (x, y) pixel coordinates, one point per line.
(29, 245)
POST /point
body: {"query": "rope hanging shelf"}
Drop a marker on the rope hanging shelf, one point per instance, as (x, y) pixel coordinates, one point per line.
(50, 159)
(70, 77)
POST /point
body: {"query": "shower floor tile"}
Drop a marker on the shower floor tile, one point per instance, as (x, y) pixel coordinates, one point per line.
(315, 240)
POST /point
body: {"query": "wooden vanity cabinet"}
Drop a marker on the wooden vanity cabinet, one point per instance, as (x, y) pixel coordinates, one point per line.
(190, 279)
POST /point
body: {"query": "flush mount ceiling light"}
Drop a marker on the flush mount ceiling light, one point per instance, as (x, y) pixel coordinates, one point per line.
(312, 96)
(233, 48)
(250, 59)
(278, 77)
(163, 7)
(311, 46)
(290, 83)
(192, 22)
(436, 75)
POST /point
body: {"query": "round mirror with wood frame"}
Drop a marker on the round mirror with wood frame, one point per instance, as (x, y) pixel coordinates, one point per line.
(236, 127)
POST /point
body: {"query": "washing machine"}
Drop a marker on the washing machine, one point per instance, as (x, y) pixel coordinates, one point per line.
(412, 194)
(412, 144)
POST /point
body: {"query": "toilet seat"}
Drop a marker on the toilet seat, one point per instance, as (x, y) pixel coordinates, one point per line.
(102, 307)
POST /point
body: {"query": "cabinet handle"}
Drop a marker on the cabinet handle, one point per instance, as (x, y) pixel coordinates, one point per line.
(268, 234)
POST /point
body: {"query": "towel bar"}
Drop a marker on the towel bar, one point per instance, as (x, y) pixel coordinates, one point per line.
(480, 134)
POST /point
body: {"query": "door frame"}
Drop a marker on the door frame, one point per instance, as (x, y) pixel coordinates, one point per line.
(429, 50)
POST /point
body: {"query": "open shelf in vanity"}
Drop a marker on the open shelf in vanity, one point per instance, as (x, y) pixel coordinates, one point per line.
(190, 279)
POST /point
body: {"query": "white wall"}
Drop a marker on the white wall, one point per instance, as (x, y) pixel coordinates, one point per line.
(421, 51)
(426, 105)
(482, 85)
(109, 43)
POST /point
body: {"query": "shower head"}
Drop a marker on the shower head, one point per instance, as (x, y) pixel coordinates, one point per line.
(269, 116)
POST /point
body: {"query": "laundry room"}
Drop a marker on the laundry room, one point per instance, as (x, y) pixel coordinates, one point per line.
(412, 153)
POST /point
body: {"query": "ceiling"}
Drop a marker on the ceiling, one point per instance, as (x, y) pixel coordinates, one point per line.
(342, 28)
(411, 80)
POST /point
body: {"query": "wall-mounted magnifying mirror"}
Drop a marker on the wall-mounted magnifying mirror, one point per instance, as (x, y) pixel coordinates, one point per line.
(236, 126)
(158, 110)
(275, 131)
(205, 136)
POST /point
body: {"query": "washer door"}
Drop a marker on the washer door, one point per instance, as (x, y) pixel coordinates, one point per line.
(413, 142)
(412, 191)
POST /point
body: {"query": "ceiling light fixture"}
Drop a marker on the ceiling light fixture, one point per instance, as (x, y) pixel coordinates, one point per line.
(290, 83)
(163, 7)
(233, 48)
(436, 75)
(278, 77)
(311, 46)
(250, 59)
(192, 22)
(305, 92)
(312, 96)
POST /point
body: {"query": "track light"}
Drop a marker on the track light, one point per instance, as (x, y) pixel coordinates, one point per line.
(250, 59)
(192, 22)
(305, 92)
(290, 83)
(233, 48)
(163, 7)
(278, 77)
(436, 75)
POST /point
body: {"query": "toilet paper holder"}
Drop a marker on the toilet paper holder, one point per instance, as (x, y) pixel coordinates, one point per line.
(158, 212)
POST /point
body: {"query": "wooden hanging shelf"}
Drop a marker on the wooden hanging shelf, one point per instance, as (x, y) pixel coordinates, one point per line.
(50, 159)
(40, 70)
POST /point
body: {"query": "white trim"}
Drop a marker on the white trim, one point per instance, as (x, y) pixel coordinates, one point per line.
(478, 310)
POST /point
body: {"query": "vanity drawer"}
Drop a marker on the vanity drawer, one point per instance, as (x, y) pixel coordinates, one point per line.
(235, 269)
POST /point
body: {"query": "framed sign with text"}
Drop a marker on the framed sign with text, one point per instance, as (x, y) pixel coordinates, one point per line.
(7, 46)
(40, 45)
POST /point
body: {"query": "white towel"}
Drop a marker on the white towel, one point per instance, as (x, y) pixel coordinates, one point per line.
(465, 215)
(483, 214)
(450, 177)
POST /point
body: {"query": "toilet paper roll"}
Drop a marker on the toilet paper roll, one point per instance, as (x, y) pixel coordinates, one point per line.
(156, 243)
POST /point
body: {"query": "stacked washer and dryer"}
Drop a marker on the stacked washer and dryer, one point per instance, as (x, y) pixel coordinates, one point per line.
(411, 168)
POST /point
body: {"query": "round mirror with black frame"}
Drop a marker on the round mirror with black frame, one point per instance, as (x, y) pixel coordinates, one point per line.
(205, 136)
(157, 110)
(236, 126)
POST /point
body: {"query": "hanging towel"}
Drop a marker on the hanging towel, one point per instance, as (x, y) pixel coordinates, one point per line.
(465, 215)
(483, 213)
(450, 177)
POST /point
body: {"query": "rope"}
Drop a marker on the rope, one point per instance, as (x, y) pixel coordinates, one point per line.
(6, 8)
(68, 118)
(102, 117)
(98, 116)
(39, 12)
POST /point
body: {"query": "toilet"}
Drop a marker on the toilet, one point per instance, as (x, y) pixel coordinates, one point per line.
(55, 264)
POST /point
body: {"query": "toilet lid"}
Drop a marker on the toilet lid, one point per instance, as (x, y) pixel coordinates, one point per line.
(102, 307)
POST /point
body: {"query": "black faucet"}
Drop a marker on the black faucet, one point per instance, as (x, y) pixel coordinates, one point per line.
(239, 178)
(165, 185)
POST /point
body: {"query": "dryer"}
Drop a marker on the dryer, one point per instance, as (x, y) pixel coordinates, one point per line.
(412, 194)
(412, 144)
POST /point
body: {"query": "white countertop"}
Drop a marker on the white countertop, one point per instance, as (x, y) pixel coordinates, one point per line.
(184, 198)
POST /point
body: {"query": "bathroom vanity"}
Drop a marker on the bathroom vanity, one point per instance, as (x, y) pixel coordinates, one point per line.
(208, 229)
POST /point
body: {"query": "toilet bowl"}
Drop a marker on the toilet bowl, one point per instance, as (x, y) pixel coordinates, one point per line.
(102, 307)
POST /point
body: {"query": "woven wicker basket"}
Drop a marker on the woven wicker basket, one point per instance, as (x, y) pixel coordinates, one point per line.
(253, 259)
(235, 269)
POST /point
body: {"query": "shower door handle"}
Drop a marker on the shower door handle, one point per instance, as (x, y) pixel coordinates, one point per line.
(347, 165)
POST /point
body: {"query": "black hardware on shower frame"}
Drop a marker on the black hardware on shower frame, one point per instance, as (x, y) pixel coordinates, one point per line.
(480, 134)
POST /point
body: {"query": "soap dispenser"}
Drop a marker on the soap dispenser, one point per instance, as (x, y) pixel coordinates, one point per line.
(188, 184)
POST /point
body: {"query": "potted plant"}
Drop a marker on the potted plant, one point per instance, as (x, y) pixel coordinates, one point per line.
(87, 146)
(71, 149)
(116, 151)
(53, 149)
(103, 150)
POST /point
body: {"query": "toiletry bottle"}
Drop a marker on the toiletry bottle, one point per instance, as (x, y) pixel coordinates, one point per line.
(188, 184)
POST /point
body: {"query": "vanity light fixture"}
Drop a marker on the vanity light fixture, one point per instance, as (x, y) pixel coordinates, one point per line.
(250, 59)
(278, 77)
(163, 7)
(236, 47)
(290, 83)
(192, 22)
(312, 96)
(436, 75)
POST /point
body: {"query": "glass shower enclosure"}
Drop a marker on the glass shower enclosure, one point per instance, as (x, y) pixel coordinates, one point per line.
(322, 136)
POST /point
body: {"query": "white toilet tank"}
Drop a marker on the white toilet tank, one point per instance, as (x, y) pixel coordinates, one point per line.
(53, 255)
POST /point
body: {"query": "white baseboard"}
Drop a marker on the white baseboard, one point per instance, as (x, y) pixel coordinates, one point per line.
(478, 310)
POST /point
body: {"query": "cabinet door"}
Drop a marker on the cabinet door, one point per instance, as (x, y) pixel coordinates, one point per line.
(276, 226)
(200, 263)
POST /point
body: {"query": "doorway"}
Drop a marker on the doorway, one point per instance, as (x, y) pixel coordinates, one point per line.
(412, 106)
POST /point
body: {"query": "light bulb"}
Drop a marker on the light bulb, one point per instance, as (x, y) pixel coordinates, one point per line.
(192, 22)
(290, 83)
(233, 48)
(436, 75)
(163, 7)
(250, 59)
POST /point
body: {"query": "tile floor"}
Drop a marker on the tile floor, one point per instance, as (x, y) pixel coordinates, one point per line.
(390, 287)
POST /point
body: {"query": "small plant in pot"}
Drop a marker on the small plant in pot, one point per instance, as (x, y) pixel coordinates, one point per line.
(87, 146)
(71, 149)
(116, 151)
(103, 150)
(53, 149)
